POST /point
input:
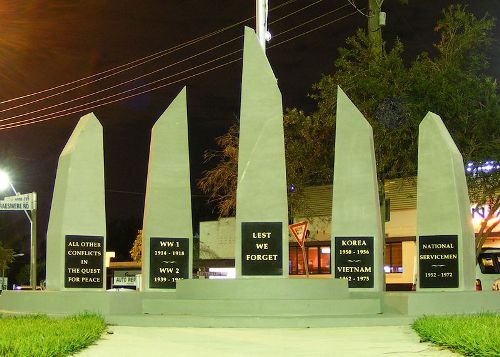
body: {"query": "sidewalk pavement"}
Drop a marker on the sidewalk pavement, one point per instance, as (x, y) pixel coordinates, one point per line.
(290, 342)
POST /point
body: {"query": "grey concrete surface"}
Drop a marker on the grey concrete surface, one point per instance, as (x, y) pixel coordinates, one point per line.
(337, 341)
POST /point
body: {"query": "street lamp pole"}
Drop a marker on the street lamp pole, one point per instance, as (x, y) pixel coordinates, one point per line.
(261, 10)
(32, 218)
(33, 245)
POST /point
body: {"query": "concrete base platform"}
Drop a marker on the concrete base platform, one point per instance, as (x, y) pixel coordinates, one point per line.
(263, 307)
(262, 288)
(260, 321)
(313, 303)
(441, 302)
(263, 297)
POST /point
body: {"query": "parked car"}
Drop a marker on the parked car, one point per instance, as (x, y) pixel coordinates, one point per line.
(26, 287)
(488, 269)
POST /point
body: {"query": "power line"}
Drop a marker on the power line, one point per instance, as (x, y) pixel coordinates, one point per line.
(129, 65)
(31, 121)
(300, 10)
(360, 10)
(129, 90)
(312, 30)
(122, 83)
(313, 19)
(51, 116)
(132, 64)
(147, 74)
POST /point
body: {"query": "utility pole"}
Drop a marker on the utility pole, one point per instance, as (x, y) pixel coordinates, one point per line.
(375, 23)
(261, 10)
(33, 244)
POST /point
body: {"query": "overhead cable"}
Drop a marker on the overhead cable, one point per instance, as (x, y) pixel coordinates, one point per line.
(147, 74)
(129, 65)
(72, 110)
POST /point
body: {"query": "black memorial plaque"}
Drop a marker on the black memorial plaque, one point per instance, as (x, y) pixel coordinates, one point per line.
(84, 261)
(438, 261)
(169, 262)
(261, 248)
(354, 261)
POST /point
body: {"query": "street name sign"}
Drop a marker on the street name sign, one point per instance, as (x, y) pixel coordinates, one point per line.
(24, 202)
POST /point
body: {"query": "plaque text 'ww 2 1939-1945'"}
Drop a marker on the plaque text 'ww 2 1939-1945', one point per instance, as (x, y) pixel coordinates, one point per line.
(84, 257)
(169, 262)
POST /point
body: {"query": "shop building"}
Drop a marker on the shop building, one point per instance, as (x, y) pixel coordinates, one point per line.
(217, 237)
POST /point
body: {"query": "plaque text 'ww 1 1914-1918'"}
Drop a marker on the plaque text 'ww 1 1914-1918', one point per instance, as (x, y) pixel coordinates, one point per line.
(261, 248)
(438, 261)
(169, 262)
(84, 257)
(354, 261)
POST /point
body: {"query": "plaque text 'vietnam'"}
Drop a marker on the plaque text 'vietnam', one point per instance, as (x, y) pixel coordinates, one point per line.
(84, 257)
(354, 261)
(169, 259)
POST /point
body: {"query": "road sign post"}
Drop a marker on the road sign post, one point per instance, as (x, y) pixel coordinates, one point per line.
(25, 202)
(299, 232)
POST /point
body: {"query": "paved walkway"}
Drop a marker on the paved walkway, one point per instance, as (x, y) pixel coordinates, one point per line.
(290, 342)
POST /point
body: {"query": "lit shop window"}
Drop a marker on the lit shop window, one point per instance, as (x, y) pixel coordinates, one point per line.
(393, 259)
(318, 260)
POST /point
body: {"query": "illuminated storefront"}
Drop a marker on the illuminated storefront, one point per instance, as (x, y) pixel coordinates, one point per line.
(217, 237)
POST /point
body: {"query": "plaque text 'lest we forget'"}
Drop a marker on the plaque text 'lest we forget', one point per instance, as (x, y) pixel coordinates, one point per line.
(261, 248)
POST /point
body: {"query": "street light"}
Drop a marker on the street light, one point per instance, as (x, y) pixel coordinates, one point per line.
(5, 183)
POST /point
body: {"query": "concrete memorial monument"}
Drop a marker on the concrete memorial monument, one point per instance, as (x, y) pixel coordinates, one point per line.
(76, 242)
(167, 226)
(76, 234)
(445, 236)
(357, 243)
(261, 199)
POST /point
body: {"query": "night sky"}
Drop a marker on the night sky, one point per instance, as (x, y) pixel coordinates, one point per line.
(49, 43)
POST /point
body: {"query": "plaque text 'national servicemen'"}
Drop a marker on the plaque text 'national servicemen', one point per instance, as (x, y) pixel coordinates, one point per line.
(438, 261)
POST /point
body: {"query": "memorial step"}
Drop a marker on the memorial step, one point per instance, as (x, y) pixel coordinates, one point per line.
(261, 321)
(262, 307)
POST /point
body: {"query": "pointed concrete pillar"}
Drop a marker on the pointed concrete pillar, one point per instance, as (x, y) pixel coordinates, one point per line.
(445, 236)
(357, 242)
(76, 242)
(167, 226)
(261, 199)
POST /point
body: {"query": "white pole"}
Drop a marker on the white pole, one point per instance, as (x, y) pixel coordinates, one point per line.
(33, 244)
(261, 21)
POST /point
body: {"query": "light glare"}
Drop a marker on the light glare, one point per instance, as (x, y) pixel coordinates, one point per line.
(4, 181)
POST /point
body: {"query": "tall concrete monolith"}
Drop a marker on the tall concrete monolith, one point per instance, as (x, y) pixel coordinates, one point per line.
(76, 242)
(357, 241)
(167, 227)
(445, 236)
(261, 199)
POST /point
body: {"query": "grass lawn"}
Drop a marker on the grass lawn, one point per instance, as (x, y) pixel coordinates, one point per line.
(43, 336)
(470, 335)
